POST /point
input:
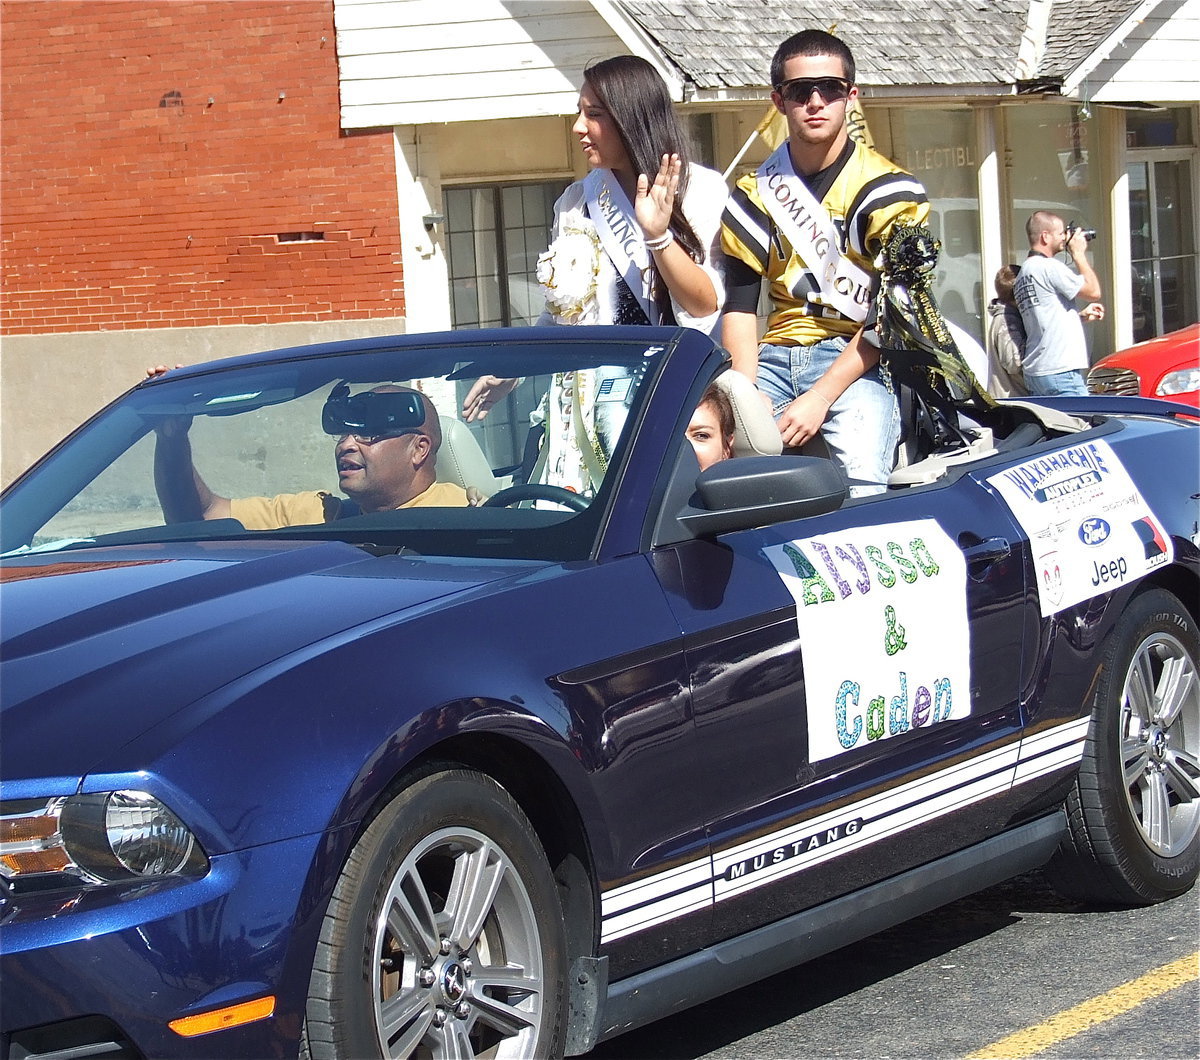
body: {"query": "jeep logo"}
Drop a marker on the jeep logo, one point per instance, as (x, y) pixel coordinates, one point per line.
(1116, 570)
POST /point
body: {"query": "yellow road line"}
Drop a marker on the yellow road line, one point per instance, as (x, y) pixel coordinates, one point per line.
(1073, 1021)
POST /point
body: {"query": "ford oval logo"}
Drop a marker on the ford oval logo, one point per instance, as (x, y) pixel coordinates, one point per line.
(1094, 531)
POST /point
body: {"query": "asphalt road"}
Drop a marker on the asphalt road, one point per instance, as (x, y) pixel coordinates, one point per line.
(960, 979)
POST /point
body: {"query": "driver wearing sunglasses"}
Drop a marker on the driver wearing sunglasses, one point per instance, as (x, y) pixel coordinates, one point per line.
(811, 223)
(385, 449)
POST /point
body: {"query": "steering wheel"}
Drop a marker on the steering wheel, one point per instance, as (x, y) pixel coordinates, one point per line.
(537, 491)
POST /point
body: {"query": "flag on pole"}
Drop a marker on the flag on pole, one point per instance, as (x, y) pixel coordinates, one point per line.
(772, 130)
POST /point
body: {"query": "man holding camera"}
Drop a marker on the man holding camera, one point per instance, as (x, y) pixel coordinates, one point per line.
(1056, 359)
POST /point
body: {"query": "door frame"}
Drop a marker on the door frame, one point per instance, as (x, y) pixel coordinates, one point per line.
(1149, 156)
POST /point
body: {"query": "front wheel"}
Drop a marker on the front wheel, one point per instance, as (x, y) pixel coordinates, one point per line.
(444, 936)
(1134, 811)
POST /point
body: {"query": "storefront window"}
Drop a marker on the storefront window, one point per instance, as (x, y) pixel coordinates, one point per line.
(1049, 146)
(1159, 127)
(938, 147)
(495, 233)
(1162, 222)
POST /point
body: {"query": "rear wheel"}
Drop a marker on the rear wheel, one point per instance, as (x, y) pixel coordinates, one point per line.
(444, 936)
(1134, 812)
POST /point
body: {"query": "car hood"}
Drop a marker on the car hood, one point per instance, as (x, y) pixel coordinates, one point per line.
(1175, 349)
(100, 645)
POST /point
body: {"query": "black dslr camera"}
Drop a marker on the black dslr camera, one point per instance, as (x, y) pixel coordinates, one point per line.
(1088, 233)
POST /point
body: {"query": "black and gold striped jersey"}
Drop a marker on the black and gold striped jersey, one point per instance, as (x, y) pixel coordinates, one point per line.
(866, 198)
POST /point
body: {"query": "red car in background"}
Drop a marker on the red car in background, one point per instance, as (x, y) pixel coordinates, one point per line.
(1166, 367)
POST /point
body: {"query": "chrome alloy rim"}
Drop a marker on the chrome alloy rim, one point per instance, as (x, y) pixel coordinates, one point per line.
(1160, 744)
(457, 964)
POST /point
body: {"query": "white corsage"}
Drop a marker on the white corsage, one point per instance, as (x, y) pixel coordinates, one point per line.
(568, 271)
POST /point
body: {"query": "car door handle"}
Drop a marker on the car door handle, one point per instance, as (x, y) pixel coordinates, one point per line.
(987, 551)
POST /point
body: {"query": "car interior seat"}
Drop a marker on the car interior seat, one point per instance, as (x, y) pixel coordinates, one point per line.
(462, 460)
(756, 433)
(754, 430)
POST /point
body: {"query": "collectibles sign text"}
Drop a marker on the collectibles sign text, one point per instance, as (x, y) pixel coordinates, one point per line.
(882, 618)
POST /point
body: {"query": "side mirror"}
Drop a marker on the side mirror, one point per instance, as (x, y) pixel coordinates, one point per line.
(762, 490)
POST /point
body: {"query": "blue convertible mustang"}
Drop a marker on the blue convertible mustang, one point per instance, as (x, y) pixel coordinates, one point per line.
(335, 726)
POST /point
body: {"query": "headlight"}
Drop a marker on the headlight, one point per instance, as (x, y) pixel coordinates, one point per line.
(102, 838)
(1180, 381)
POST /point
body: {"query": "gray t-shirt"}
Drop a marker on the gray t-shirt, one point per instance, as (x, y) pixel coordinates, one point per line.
(1045, 292)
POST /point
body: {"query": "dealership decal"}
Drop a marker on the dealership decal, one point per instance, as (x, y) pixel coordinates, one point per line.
(882, 618)
(1090, 529)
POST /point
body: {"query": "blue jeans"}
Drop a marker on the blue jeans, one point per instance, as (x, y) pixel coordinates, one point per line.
(1059, 384)
(863, 426)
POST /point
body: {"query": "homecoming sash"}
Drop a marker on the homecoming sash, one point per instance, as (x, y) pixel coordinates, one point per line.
(814, 237)
(621, 236)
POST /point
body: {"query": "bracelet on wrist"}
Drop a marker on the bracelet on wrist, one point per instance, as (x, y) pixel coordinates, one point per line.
(662, 242)
(828, 403)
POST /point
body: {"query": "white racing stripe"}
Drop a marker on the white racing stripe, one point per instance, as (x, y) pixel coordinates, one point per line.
(866, 822)
(699, 884)
(1052, 750)
(656, 887)
(622, 924)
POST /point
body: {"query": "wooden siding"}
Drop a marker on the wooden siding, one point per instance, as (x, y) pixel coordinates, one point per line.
(412, 62)
(1156, 62)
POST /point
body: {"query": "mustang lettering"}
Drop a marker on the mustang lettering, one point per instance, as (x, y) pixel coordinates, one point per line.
(801, 846)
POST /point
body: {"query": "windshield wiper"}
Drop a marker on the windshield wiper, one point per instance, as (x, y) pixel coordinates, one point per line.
(199, 530)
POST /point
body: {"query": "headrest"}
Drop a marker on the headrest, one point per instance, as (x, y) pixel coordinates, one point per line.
(754, 429)
(461, 460)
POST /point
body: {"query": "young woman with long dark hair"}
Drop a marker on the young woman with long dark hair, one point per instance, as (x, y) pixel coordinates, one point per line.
(636, 241)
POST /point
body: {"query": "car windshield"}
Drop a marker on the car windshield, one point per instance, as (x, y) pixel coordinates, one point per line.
(365, 442)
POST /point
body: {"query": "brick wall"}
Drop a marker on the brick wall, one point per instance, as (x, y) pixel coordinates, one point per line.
(181, 164)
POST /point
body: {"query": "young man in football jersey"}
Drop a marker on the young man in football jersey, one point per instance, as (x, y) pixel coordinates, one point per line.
(811, 222)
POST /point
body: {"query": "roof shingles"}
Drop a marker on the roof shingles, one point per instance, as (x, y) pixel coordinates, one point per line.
(1077, 28)
(728, 45)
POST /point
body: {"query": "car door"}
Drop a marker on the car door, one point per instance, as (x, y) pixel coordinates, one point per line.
(856, 680)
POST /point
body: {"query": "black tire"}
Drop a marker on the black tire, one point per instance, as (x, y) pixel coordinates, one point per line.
(444, 936)
(1134, 810)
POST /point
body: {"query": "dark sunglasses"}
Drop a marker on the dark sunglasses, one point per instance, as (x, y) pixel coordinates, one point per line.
(800, 89)
(371, 439)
